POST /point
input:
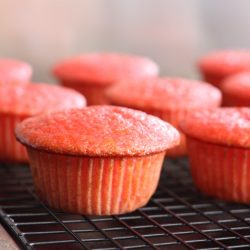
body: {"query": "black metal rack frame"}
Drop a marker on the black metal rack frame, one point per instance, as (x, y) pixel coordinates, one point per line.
(177, 217)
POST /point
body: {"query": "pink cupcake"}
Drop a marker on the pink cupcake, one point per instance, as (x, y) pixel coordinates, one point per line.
(92, 73)
(99, 160)
(19, 101)
(236, 90)
(12, 70)
(171, 99)
(219, 151)
(220, 64)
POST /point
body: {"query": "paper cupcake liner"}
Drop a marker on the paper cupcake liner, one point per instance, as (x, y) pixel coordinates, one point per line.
(95, 94)
(95, 185)
(10, 149)
(220, 171)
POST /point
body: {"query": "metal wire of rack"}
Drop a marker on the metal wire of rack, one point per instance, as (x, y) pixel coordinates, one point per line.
(177, 217)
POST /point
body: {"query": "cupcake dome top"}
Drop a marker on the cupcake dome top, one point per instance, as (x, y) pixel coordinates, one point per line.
(98, 131)
(164, 93)
(225, 62)
(32, 99)
(104, 68)
(14, 70)
(225, 126)
(238, 84)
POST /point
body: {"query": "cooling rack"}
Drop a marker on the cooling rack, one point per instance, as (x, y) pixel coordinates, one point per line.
(177, 217)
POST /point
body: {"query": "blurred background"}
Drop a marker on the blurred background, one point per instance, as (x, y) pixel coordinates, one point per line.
(172, 32)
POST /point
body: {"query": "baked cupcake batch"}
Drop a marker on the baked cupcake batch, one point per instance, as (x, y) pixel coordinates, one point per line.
(99, 160)
(107, 159)
(219, 150)
(19, 101)
(91, 74)
(171, 99)
(216, 66)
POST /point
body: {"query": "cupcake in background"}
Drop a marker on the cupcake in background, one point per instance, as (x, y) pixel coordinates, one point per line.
(19, 101)
(219, 152)
(236, 90)
(12, 70)
(215, 66)
(171, 99)
(92, 73)
(100, 160)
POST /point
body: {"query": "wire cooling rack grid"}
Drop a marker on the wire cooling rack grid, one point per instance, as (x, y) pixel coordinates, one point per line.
(177, 217)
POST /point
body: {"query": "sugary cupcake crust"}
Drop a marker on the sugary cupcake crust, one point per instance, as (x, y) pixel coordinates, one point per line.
(14, 70)
(98, 131)
(224, 126)
(225, 62)
(165, 94)
(32, 99)
(104, 68)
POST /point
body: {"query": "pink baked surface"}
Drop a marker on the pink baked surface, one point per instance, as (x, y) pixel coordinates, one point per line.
(98, 131)
(237, 85)
(14, 70)
(165, 93)
(32, 99)
(226, 126)
(104, 68)
(225, 62)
